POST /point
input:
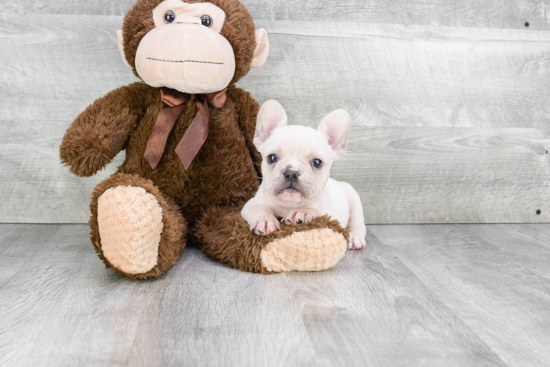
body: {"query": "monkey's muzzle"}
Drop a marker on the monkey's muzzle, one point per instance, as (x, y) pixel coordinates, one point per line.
(189, 58)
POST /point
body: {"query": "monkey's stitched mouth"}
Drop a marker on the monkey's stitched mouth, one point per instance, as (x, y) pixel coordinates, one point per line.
(182, 61)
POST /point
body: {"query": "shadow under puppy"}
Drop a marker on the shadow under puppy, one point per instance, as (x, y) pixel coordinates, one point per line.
(296, 163)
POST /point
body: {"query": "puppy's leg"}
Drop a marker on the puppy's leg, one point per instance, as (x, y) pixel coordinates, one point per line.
(301, 216)
(260, 218)
(356, 225)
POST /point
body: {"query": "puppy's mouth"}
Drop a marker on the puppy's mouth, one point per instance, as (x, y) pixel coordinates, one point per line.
(290, 188)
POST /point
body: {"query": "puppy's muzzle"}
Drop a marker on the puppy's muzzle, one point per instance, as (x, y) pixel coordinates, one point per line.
(291, 176)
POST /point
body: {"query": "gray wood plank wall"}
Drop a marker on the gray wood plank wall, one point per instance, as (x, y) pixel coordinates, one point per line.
(457, 13)
(449, 100)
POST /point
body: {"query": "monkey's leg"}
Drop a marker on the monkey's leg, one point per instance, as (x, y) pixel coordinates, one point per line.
(135, 228)
(314, 246)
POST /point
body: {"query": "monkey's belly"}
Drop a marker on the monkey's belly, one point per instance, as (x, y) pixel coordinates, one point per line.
(221, 174)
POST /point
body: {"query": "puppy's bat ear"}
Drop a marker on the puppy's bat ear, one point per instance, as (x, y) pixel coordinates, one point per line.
(335, 127)
(271, 116)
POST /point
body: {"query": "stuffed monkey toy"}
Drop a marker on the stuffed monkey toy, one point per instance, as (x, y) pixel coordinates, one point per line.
(190, 160)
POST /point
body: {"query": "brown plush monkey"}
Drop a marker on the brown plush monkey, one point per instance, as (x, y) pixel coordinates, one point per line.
(190, 163)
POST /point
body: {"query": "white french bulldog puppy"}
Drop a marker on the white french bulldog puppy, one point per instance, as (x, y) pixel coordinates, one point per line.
(296, 163)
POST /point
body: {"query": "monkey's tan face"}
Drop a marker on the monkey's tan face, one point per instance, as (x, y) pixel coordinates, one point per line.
(185, 51)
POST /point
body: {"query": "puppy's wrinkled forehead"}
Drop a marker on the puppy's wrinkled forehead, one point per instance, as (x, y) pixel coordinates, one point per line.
(296, 139)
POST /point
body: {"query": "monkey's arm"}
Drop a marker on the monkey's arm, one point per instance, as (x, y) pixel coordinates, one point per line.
(247, 108)
(102, 130)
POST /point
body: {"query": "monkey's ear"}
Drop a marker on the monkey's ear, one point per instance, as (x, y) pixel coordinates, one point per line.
(335, 127)
(271, 116)
(262, 48)
(120, 43)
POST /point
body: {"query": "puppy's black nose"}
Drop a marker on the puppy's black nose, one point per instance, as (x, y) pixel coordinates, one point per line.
(291, 176)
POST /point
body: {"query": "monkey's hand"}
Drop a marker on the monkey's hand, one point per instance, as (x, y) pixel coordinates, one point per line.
(101, 131)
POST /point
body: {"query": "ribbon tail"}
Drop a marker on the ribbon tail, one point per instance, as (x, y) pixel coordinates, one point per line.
(195, 136)
(157, 141)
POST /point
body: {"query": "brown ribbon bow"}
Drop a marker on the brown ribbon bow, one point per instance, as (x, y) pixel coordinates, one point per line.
(196, 134)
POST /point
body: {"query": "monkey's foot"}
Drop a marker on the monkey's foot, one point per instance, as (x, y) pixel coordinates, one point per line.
(130, 225)
(135, 229)
(311, 250)
(313, 246)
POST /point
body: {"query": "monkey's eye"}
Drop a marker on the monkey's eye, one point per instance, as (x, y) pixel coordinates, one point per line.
(317, 163)
(206, 21)
(169, 16)
(272, 158)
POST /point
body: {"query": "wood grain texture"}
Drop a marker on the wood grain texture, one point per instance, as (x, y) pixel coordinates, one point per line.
(429, 82)
(415, 296)
(390, 75)
(449, 175)
(492, 290)
(526, 244)
(53, 68)
(463, 13)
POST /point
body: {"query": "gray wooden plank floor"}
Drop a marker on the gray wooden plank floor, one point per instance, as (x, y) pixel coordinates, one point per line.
(418, 295)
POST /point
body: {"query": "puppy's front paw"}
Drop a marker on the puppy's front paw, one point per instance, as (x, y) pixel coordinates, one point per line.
(301, 216)
(265, 225)
(356, 241)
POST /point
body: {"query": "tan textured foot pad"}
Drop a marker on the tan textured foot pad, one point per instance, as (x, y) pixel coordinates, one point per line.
(313, 250)
(130, 227)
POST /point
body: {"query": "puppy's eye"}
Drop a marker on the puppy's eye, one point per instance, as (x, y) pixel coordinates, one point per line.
(169, 17)
(206, 21)
(317, 163)
(272, 158)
